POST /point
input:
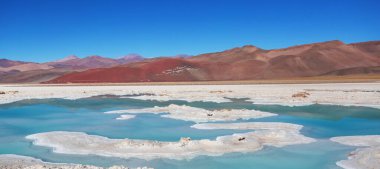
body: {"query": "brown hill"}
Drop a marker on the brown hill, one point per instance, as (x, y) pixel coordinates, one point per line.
(244, 63)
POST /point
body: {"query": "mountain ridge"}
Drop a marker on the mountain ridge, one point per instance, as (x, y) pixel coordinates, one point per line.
(241, 63)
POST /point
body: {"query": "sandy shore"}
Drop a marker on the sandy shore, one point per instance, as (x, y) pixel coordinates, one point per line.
(10, 161)
(357, 94)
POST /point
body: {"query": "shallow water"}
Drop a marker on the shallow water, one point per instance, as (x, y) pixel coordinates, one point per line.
(86, 115)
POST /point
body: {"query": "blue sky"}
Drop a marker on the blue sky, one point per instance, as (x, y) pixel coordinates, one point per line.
(44, 30)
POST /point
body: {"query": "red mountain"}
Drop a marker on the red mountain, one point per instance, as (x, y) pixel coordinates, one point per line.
(244, 63)
(164, 69)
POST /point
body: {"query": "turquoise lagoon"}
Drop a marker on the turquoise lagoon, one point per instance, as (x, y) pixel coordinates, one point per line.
(22, 118)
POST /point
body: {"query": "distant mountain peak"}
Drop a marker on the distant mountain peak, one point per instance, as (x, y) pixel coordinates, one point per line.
(67, 58)
(250, 48)
(94, 57)
(131, 56)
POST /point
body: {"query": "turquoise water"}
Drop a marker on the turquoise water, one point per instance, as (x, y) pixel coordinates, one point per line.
(86, 115)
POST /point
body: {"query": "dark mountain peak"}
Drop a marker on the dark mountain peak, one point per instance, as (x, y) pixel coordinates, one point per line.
(5, 60)
(130, 58)
(9, 63)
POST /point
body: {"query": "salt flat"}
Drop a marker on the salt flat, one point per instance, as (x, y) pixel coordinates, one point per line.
(357, 94)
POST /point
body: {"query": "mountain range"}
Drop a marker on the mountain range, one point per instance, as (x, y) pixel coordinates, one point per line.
(28, 72)
(331, 58)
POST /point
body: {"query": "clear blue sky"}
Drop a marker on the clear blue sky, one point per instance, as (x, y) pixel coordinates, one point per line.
(44, 30)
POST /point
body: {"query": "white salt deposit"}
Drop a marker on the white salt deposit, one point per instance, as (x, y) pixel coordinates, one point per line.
(355, 94)
(126, 117)
(249, 126)
(366, 157)
(280, 134)
(194, 114)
